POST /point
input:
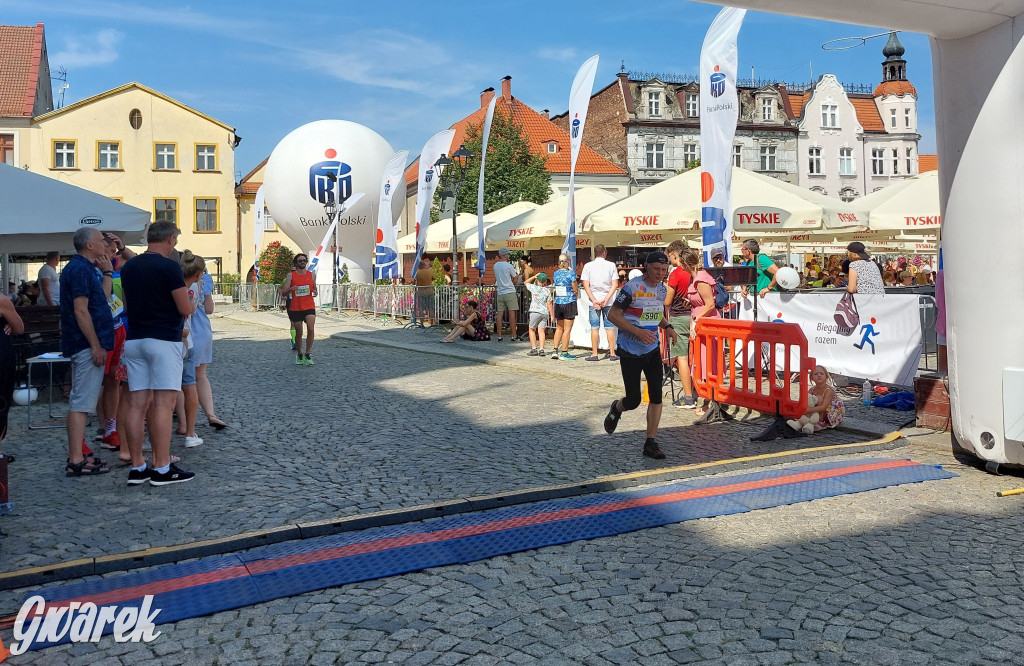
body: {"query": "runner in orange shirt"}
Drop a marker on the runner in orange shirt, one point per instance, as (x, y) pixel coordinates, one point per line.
(301, 284)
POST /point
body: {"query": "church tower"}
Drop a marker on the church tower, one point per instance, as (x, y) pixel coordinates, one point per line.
(896, 100)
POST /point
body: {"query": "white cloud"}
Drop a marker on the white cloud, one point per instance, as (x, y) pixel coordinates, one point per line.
(559, 54)
(79, 52)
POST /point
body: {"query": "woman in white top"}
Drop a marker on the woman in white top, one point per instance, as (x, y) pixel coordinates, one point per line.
(864, 277)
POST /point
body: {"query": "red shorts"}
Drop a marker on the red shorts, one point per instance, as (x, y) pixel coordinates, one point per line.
(114, 355)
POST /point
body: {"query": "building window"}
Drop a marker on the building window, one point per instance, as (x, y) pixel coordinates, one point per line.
(654, 103)
(268, 222)
(206, 157)
(655, 156)
(767, 158)
(767, 108)
(552, 147)
(892, 118)
(108, 155)
(135, 118)
(63, 154)
(692, 105)
(166, 157)
(910, 161)
(165, 210)
(829, 116)
(846, 165)
(877, 162)
(689, 154)
(814, 161)
(847, 194)
(737, 155)
(906, 118)
(206, 215)
(7, 149)
(895, 161)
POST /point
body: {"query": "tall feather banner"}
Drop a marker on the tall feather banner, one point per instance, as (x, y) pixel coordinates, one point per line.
(257, 231)
(481, 254)
(385, 265)
(579, 102)
(437, 145)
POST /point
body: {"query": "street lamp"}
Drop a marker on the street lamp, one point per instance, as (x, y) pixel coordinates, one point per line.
(452, 179)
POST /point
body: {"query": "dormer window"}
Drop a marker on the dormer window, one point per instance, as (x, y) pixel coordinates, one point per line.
(692, 105)
(654, 104)
(552, 147)
(767, 108)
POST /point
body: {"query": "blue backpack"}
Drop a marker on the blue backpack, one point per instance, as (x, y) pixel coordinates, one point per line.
(721, 295)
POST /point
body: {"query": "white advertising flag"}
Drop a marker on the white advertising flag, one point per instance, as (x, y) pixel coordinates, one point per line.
(257, 230)
(481, 254)
(385, 265)
(345, 205)
(437, 145)
(719, 109)
(579, 102)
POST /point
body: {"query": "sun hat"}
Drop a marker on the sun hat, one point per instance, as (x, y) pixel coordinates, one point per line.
(858, 249)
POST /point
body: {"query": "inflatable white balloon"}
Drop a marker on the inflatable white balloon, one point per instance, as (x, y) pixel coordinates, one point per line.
(307, 169)
(787, 278)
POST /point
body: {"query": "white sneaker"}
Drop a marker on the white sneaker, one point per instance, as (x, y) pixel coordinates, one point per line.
(147, 445)
(192, 441)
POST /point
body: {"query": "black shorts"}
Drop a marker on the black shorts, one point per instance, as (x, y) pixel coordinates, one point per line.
(300, 315)
(565, 311)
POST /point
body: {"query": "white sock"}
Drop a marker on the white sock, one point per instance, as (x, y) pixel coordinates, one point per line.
(164, 469)
(139, 469)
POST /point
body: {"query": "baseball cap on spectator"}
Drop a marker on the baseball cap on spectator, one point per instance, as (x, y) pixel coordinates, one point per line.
(542, 277)
(656, 257)
(503, 252)
(858, 249)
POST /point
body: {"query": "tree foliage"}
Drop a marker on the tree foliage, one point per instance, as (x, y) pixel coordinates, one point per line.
(513, 172)
(275, 262)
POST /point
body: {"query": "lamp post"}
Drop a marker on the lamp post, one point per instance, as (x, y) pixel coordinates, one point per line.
(453, 179)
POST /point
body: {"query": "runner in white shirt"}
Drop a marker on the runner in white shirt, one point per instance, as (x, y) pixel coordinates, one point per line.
(600, 279)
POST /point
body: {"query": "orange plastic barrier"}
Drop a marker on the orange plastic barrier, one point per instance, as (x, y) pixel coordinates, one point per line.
(759, 387)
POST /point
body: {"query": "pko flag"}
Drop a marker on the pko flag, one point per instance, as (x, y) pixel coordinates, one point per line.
(579, 102)
(437, 145)
(385, 264)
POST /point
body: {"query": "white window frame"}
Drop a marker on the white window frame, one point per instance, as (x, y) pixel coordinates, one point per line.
(206, 156)
(878, 161)
(767, 108)
(737, 155)
(814, 161)
(892, 118)
(162, 152)
(847, 164)
(552, 147)
(910, 161)
(829, 114)
(768, 158)
(655, 155)
(268, 221)
(654, 104)
(895, 161)
(689, 153)
(108, 155)
(692, 105)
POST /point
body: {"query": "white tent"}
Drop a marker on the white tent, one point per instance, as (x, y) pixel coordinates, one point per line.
(544, 227)
(470, 241)
(40, 214)
(910, 206)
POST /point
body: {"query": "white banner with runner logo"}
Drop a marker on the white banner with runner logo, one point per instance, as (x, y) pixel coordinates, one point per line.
(579, 102)
(885, 346)
(386, 265)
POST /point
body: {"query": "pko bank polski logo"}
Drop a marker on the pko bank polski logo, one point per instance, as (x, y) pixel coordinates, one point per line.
(576, 126)
(40, 624)
(324, 175)
(717, 82)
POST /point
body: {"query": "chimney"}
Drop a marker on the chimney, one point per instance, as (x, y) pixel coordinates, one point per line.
(547, 114)
(485, 97)
(506, 88)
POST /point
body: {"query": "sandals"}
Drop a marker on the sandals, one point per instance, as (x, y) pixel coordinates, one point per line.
(218, 425)
(88, 467)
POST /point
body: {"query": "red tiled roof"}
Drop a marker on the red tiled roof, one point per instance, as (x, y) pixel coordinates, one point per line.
(539, 132)
(898, 88)
(927, 163)
(797, 101)
(867, 114)
(247, 186)
(20, 51)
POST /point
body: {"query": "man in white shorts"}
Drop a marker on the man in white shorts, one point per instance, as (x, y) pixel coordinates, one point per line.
(156, 302)
(504, 280)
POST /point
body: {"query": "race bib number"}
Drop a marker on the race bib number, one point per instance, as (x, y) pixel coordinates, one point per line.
(116, 306)
(651, 315)
(561, 291)
(302, 290)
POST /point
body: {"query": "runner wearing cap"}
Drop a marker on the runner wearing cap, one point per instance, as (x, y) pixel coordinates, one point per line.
(638, 312)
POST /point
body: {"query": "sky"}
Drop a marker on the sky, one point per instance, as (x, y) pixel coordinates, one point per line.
(410, 69)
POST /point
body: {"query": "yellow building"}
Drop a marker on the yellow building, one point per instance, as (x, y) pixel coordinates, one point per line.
(141, 147)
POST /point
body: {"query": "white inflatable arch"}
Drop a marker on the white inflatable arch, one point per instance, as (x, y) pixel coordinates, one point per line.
(978, 68)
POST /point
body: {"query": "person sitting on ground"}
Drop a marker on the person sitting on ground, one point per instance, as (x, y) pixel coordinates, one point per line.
(28, 294)
(542, 311)
(830, 407)
(470, 327)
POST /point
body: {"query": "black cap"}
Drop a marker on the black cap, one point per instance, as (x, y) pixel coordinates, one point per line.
(656, 257)
(858, 249)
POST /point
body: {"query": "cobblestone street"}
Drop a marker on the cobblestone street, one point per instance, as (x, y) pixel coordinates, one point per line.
(919, 573)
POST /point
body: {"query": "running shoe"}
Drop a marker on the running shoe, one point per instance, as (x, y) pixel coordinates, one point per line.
(309, 360)
(651, 449)
(174, 475)
(611, 421)
(686, 402)
(111, 442)
(554, 355)
(136, 478)
(192, 441)
(534, 352)
(298, 360)
(566, 356)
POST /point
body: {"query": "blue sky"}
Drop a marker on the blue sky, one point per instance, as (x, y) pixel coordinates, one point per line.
(409, 69)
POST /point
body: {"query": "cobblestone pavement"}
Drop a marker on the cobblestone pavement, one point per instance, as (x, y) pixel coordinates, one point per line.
(921, 573)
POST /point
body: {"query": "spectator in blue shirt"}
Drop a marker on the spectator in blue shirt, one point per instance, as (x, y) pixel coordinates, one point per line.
(87, 334)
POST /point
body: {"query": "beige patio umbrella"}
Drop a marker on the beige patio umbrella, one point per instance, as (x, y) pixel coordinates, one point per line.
(439, 235)
(469, 240)
(544, 227)
(910, 206)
